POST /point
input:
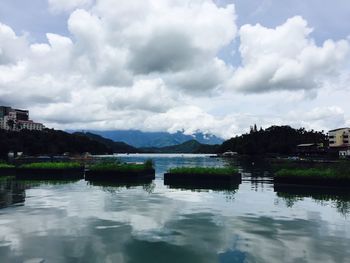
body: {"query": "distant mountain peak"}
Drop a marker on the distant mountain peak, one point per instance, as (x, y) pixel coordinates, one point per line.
(142, 139)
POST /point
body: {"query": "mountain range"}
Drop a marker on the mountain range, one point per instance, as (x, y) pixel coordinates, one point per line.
(191, 146)
(140, 139)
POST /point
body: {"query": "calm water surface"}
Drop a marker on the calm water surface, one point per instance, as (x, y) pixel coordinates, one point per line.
(80, 222)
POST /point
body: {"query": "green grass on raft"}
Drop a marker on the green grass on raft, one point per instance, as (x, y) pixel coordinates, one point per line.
(5, 165)
(51, 165)
(312, 172)
(203, 170)
(122, 167)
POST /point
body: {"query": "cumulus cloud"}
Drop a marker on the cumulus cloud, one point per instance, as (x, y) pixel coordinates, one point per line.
(12, 47)
(191, 119)
(142, 56)
(286, 58)
(319, 118)
(144, 64)
(67, 5)
(141, 97)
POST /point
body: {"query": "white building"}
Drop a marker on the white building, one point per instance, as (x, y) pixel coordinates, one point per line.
(2, 125)
(29, 125)
(16, 120)
(339, 141)
(339, 137)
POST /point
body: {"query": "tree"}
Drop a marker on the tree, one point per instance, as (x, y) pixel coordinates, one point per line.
(275, 139)
(18, 126)
(48, 142)
(11, 124)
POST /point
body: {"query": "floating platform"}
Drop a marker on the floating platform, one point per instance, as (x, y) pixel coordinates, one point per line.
(136, 183)
(142, 176)
(310, 191)
(312, 181)
(50, 174)
(203, 181)
(8, 171)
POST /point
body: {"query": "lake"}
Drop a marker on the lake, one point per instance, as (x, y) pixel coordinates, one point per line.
(253, 222)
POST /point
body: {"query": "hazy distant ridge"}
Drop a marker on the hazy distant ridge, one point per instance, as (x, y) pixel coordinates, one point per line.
(141, 139)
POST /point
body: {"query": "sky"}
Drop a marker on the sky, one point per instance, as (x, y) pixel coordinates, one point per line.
(216, 66)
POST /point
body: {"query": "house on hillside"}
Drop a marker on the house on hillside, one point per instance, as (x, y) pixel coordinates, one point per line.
(310, 148)
(16, 120)
(339, 142)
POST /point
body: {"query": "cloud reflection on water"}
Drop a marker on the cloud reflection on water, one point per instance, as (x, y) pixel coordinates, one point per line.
(79, 222)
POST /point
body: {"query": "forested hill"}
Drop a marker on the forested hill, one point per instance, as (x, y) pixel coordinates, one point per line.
(48, 141)
(191, 146)
(117, 147)
(276, 139)
(55, 142)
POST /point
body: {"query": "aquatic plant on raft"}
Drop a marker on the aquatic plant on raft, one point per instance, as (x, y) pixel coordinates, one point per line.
(51, 165)
(121, 167)
(204, 170)
(6, 166)
(329, 173)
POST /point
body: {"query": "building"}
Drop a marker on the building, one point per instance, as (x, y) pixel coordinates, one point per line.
(16, 120)
(310, 148)
(22, 115)
(29, 125)
(339, 141)
(339, 137)
(2, 125)
(4, 111)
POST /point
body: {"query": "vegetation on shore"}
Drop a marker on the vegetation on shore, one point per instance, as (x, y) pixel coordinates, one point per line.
(122, 167)
(49, 142)
(203, 170)
(275, 140)
(117, 147)
(51, 165)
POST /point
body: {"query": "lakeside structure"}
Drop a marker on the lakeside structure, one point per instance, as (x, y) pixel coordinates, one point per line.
(311, 148)
(338, 144)
(16, 120)
(339, 141)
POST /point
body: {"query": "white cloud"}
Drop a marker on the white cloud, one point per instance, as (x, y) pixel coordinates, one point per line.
(142, 97)
(191, 119)
(147, 64)
(142, 56)
(286, 58)
(68, 5)
(319, 118)
(12, 47)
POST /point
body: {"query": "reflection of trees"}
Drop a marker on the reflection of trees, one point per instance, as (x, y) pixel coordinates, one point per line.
(254, 166)
(340, 202)
(11, 192)
(114, 187)
(290, 199)
(149, 188)
(200, 186)
(343, 207)
(339, 197)
(230, 195)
